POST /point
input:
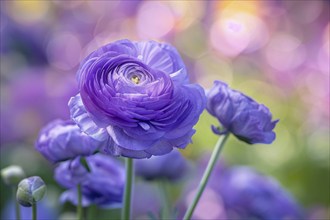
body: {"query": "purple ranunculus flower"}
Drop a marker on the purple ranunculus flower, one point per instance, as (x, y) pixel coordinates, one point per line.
(102, 186)
(137, 95)
(250, 195)
(63, 140)
(248, 120)
(171, 166)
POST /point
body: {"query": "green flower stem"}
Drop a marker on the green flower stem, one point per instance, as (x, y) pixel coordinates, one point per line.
(34, 211)
(92, 212)
(214, 157)
(85, 213)
(126, 211)
(17, 208)
(79, 207)
(166, 211)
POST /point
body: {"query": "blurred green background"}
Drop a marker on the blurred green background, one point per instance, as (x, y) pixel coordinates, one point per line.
(274, 51)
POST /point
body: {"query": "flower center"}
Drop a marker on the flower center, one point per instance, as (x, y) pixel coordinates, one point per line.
(135, 79)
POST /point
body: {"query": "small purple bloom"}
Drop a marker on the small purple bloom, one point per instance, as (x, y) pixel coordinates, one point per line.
(70, 173)
(102, 186)
(171, 166)
(63, 140)
(248, 120)
(137, 95)
(250, 195)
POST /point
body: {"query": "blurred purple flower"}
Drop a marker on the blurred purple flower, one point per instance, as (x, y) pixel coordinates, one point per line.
(63, 140)
(318, 212)
(171, 166)
(104, 171)
(44, 211)
(137, 95)
(70, 173)
(25, 41)
(30, 99)
(248, 120)
(146, 199)
(239, 193)
(249, 195)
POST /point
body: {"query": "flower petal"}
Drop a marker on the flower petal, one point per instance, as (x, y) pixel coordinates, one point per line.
(84, 121)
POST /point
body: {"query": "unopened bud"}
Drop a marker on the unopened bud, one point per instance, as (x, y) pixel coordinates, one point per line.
(30, 190)
(12, 175)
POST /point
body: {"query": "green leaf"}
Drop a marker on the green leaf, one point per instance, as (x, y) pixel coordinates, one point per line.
(84, 163)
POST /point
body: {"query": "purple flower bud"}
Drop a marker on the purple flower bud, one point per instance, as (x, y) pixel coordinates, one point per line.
(137, 95)
(171, 166)
(30, 190)
(102, 186)
(248, 120)
(63, 140)
(247, 194)
(12, 175)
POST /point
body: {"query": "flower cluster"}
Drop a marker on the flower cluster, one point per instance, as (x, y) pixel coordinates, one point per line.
(103, 185)
(135, 101)
(64, 143)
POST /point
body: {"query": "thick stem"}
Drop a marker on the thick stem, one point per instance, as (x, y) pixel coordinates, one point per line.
(126, 211)
(79, 207)
(214, 158)
(17, 208)
(34, 211)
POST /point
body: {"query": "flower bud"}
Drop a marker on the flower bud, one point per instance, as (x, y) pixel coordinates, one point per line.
(30, 190)
(12, 175)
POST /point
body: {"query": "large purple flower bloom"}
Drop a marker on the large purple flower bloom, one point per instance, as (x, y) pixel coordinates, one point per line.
(239, 114)
(63, 140)
(137, 95)
(102, 186)
(250, 195)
